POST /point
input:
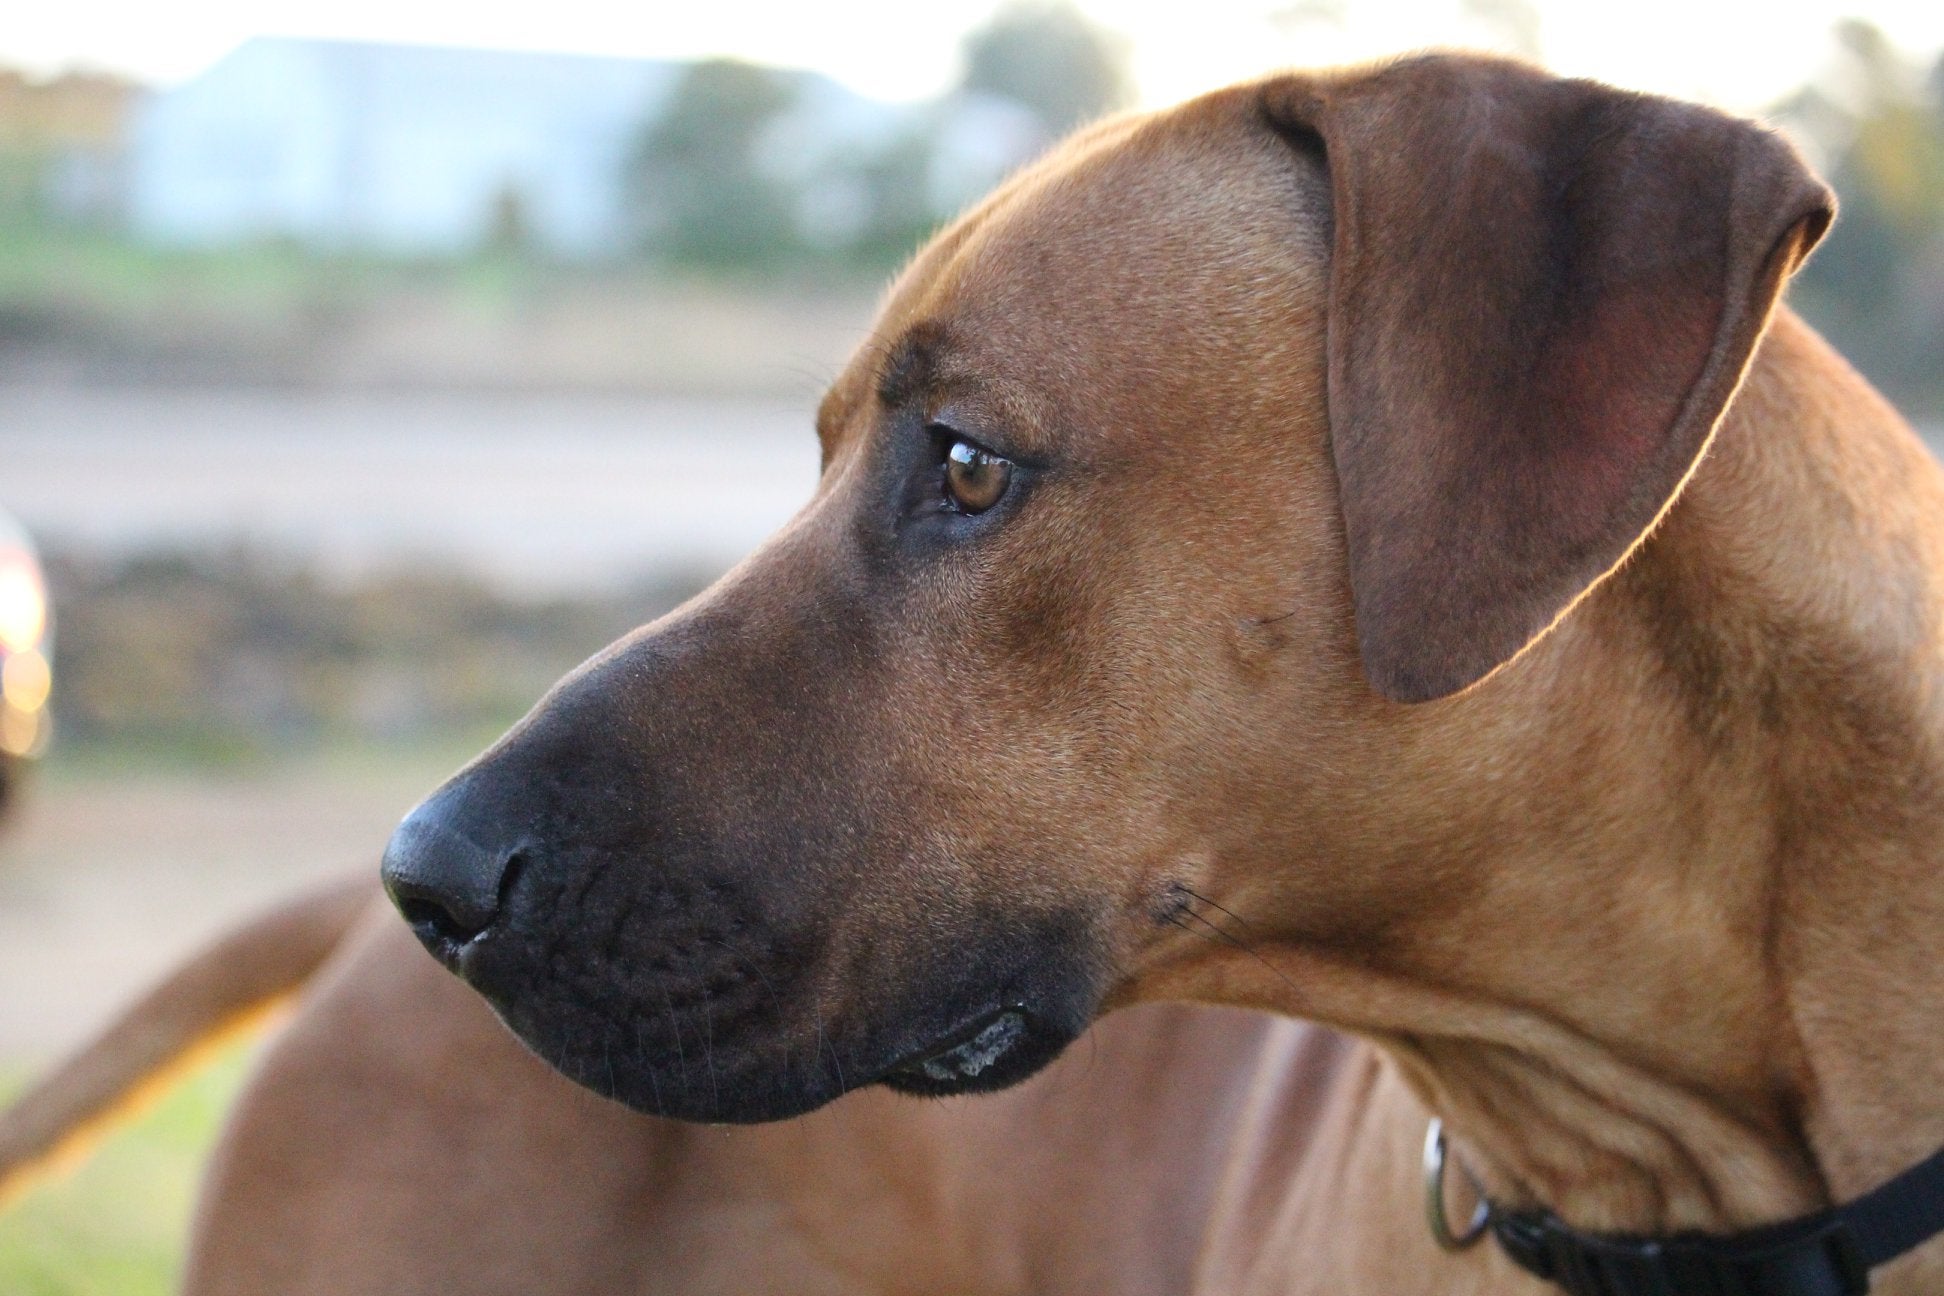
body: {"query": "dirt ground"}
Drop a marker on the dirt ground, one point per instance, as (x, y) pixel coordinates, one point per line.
(109, 877)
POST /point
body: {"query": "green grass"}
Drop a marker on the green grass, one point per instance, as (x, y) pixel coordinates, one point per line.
(115, 1226)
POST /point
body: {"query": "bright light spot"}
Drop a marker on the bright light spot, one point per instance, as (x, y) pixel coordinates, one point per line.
(22, 733)
(23, 607)
(25, 681)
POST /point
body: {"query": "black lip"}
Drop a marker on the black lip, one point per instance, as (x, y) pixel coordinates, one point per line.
(997, 1048)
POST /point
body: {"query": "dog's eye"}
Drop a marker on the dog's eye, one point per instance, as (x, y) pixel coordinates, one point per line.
(975, 479)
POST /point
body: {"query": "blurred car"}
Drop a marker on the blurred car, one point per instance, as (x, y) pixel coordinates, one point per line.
(26, 656)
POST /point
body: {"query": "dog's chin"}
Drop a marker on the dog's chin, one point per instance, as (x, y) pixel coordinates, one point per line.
(723, 1039)
(719, 1081)
(749, 1085)
(721, 1098)
(720, 1065)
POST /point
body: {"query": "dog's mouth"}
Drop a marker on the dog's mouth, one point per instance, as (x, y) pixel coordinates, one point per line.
(695, 1027)
(989, 1052)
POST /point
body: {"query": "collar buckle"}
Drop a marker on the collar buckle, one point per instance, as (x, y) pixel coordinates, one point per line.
(1434, 1197)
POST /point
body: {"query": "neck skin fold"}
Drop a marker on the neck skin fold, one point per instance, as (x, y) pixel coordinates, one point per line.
(1671, 953)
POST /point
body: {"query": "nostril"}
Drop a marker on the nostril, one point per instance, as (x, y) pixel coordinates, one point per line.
(447, 876)
(430, 917)
(509, 878)
(448, 886)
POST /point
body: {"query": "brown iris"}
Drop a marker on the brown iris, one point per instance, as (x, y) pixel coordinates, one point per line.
(975, 479)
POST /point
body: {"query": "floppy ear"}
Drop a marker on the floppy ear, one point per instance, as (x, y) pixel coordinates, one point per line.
(1542, 296)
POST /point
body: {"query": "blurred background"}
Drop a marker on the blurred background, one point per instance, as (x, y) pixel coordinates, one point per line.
(363, 369)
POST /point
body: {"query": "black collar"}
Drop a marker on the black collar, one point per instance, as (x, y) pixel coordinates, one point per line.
(1829, 1253)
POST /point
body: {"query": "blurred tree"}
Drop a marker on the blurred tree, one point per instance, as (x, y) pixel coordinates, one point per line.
(22, 185)
(60, 144)
(510, 231)
(1045, 55)
(709, 190)
(1876, 287)
(896, 181)
(696, 175)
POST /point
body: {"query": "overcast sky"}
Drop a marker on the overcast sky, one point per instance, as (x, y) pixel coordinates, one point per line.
(1735, 53)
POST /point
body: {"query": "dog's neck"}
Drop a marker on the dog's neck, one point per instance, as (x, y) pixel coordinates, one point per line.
(1748, 983)
(1768, 920)
(1690, 970)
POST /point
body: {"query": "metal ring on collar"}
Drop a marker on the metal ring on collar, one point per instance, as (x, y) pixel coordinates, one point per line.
(1434, 1199)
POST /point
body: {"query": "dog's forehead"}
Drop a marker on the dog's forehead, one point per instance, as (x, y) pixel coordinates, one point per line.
(1178, 229)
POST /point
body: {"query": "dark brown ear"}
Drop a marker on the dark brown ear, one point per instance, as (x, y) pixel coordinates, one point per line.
(1542, 296)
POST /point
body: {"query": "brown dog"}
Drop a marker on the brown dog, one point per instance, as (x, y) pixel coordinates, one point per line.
(1357, 546)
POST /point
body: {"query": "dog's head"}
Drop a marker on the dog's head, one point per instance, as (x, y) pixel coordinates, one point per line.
(1174, 469)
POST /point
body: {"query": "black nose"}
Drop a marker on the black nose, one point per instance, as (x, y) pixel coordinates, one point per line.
(443, 878)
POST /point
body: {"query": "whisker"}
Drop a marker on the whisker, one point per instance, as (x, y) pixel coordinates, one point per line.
(1234, 941)
(708, 1056)
(1196, 895)
(675, 1029)
(1175, 921)
(1218, 929)
(648, 1065)
(823, 1042)
(776, 1000)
